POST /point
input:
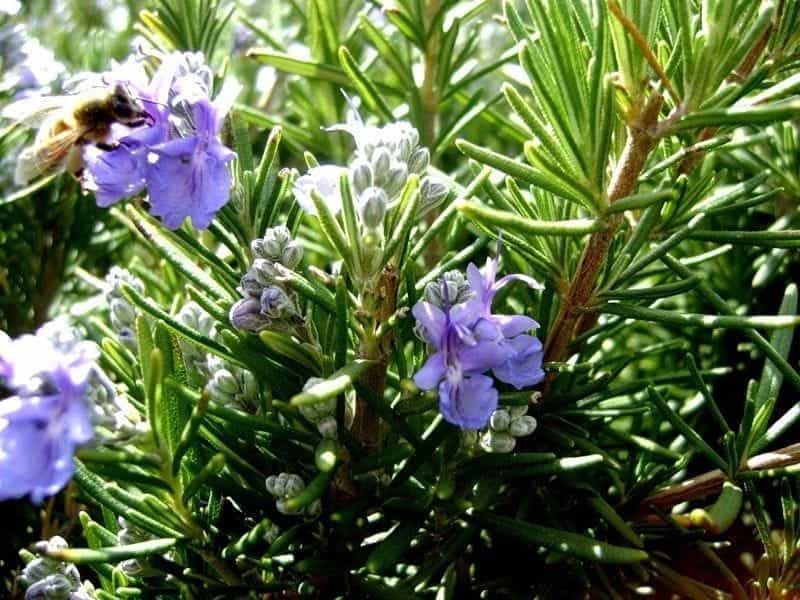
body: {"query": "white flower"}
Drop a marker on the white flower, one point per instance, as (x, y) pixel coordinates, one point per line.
(325, 181)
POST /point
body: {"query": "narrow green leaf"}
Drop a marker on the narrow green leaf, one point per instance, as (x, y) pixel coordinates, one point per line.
(334, 385)
(409, 200)
(782, 110)
(562, 541)
(312, 492)
(521, 171)
(682, 427)
(115, 554)
(385, 556)
(366, 89)
(174, 255)
(502, 220)
(641, 313)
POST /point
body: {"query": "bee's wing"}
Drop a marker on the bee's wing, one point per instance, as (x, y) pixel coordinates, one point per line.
(32, 112)
(46, 157)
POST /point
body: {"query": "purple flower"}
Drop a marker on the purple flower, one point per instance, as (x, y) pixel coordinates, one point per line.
(188, 177)
(463, 353)
(470, 340)
(120, 173)
(178, 156)
(523, 367)
(47, 417)
(470, 402)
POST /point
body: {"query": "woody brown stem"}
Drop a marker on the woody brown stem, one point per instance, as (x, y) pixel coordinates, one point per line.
(711, 482)
(642, 138)
(366, 424)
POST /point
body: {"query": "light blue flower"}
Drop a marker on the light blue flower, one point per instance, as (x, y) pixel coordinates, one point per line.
(47, 417)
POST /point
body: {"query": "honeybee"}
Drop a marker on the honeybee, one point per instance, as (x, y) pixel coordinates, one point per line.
(68, 122)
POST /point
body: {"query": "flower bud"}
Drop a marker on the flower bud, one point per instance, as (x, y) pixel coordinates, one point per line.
(522, 426)
(38, 569)
(278, 246)
(419, 160)
(249, 385)
(328, 428)
(457, 289)
(500, 420)
(122, 314)
(381, 163)
(276, 304)
(224, 382)
(54, 544)
(193, 316)
(292, 255)
(497, 442)
(52, 587)
(395, 179)
(361, 176)
(272, 533)
(118, 276)
(432, 193)
(250, 285)
(294, 485)
(131, 567)
(373, 207)
(246, 315)
(265, 271)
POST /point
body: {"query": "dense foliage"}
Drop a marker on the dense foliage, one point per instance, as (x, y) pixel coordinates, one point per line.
(403, 299)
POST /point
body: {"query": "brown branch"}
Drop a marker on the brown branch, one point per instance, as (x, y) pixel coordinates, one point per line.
(645, 49)
(642, 138)
(711, 482)
(366, 424)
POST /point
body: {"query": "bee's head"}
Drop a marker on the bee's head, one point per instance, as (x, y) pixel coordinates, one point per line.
(126, 107)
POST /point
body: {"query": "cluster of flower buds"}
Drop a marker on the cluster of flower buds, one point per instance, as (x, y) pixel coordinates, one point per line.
(453, 288)
(45, 577)
(231, 385)
(266, 303)
(505, 426)
(322, 413)
(195, 318)
(384, 159)
(122, 313)
(227, 384)
(115, 418)
(288, 485)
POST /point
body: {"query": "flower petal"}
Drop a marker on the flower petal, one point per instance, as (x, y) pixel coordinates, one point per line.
(433, 321)
(185, 181)
(513, 325)
(524, 366)
(468, 403)
(431, 373)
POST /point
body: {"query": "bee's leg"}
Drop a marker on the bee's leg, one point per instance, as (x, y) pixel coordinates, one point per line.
(74, 163)
(107, 146)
